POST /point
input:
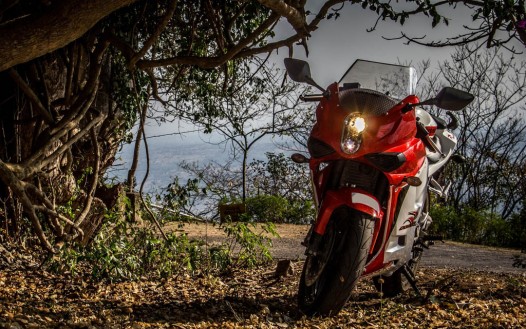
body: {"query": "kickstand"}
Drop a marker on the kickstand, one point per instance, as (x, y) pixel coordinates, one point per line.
(410, 276)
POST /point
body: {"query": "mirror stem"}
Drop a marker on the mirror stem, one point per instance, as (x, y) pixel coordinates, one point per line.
(311, 82)
(408, 107)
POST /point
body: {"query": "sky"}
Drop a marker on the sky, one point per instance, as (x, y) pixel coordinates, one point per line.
(333, 47)
(336, 44)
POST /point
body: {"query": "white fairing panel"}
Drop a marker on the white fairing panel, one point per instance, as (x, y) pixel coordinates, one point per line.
(446, 141)
(400, 242)
(365, 200)
(405, 225)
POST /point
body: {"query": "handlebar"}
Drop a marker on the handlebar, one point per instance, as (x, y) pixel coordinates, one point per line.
(311, 97)
(423, 134)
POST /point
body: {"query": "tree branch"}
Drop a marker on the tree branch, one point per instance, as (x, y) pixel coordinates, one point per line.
(28, 91)
(160, 28)
(295, 17)
(63, 22)
(211, 62)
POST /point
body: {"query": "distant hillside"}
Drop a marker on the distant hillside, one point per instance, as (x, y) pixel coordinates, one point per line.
(168, 151)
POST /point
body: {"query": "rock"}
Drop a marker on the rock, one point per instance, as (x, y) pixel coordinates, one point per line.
(284, 268)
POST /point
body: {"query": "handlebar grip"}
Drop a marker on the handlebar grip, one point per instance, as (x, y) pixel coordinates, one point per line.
(311, 97)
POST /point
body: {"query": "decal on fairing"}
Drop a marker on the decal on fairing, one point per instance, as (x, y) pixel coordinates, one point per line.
(408, 223)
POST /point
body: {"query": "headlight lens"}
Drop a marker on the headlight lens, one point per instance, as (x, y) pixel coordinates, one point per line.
(353, 127)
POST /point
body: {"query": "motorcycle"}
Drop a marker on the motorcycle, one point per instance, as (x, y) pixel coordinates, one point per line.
(375, 155)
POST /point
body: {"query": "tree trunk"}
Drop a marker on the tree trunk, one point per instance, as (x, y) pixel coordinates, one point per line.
(60, 156)
(63, 22)
(244, 174)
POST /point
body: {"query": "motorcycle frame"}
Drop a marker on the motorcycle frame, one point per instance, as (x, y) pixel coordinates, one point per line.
(396, 218)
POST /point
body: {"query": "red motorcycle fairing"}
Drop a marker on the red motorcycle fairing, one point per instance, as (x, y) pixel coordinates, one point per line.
(382, 132)
(376, 262)
(414, 153)
(351, 197)
(389, 133)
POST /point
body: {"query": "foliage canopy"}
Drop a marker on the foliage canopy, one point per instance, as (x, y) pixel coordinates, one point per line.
(78, 74)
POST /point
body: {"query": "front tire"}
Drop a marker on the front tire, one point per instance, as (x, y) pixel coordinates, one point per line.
(329, 277)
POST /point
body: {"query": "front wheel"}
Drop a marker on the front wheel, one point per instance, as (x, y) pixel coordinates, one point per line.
(329, 277)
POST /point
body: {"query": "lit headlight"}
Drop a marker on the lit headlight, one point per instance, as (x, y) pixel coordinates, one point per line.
(353, 127)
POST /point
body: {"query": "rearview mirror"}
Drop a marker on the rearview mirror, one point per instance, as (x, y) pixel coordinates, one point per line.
(299, 71)
(450, 99)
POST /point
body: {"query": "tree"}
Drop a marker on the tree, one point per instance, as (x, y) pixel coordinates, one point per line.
(492, 130)
(278, 175)
(486, 199)
(495, 23)
(77, 73)
(245, 110)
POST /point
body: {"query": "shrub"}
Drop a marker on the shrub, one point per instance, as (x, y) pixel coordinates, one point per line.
(274, 208)
(123, 250)
(476, 226)
(128, 252)
(250, 247)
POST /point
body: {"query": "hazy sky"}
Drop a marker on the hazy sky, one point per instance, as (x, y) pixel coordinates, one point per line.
(338, 43)
(333, 47)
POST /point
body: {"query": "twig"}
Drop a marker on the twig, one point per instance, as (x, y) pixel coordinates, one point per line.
(233, 311)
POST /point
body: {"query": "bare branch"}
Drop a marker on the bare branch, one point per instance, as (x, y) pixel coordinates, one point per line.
(439, 44)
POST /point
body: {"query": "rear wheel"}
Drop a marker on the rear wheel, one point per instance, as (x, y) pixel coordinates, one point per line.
(329, 277)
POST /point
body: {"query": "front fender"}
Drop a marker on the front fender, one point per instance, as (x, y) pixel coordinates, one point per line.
(351, 197)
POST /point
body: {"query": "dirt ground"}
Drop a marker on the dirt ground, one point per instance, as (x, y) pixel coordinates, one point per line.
(462, 286)
(442, 255)
(254, 299)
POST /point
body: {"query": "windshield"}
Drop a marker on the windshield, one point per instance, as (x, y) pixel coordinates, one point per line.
(394, 80)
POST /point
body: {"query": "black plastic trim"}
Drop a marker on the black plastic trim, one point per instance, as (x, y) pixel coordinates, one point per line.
(388, 161)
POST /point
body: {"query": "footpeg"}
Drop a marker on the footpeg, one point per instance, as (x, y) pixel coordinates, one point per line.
(433, 238)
